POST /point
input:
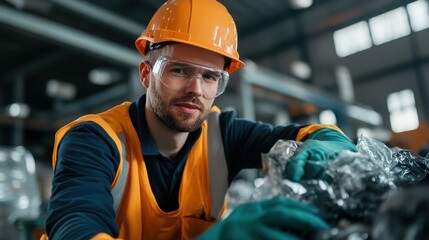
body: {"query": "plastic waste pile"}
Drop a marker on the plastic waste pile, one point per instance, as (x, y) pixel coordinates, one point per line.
(355, 189)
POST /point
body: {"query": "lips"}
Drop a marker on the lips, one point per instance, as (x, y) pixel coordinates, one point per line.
(189, 105)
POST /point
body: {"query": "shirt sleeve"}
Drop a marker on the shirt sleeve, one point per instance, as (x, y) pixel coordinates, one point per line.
(245, 140)
(81, 205)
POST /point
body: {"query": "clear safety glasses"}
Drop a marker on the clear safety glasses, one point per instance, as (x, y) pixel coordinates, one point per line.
(177, 75)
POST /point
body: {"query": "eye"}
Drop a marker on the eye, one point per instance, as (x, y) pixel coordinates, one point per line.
(179, 71)
(211, 76)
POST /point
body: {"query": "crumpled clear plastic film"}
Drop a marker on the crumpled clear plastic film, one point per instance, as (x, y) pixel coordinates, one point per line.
(355, 183)
(403, 167)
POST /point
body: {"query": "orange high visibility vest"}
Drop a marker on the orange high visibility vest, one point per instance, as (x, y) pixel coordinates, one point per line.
(201, 196)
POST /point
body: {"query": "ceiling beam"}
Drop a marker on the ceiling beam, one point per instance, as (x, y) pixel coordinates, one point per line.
(70, 37)
(288, 86)
(102, 15)
(274, 19)
(94, 101)
(33, 66)
(305, 37)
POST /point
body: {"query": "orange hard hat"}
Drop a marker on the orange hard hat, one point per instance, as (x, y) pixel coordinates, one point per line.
(202, 23)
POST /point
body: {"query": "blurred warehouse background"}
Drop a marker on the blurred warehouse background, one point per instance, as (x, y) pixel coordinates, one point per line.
(362, 64)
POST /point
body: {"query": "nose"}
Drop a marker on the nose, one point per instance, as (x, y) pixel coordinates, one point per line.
(195, 86)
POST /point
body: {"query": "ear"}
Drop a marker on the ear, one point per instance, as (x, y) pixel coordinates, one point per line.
(144, 70)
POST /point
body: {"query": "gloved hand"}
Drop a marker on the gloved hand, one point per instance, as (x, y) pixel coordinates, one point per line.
(309, 161)
(277, 218)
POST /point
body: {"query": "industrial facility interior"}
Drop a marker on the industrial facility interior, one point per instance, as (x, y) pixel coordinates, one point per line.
(360, 64)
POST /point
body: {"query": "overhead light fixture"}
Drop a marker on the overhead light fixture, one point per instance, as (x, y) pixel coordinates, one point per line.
(60, 90)
(300, 4)
(327, 117)
(300, 69)
(18, 110)
(104, 76)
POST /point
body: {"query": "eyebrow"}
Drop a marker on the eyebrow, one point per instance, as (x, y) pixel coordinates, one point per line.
(180, 64)
(186, 64)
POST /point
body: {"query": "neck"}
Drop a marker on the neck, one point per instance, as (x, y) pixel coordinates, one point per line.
(168, 141)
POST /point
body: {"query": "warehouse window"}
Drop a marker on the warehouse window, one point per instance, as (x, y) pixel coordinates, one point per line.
(383, 28)
(402, 110)
(419, 17)
(389, 26)
(352, 39)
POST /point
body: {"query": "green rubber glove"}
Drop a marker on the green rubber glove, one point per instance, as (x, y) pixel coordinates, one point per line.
(309, 161)
(277, 218)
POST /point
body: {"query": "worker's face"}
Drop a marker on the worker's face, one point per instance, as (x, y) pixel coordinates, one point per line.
(181, 109)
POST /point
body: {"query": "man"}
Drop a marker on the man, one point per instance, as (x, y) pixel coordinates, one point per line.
(159, 168)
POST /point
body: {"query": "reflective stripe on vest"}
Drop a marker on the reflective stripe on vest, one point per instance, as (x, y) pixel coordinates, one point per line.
(218, 169)
(118, 190)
